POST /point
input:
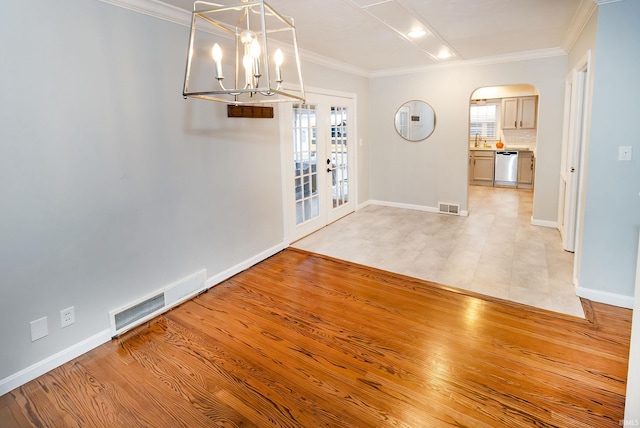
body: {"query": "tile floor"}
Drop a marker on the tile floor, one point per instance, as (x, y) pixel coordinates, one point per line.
(494, 251)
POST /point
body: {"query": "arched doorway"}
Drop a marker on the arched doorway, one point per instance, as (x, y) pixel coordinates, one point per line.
(503, 137)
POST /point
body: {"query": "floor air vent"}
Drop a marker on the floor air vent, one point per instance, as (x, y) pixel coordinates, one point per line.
(448, 208)
(144, 309)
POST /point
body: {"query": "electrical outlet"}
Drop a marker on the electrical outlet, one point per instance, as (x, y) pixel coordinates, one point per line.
(39, 329)
(67, 317)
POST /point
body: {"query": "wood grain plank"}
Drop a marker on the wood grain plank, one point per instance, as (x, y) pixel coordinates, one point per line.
(302, 340)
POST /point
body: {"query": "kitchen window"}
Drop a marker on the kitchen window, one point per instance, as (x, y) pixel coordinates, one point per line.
(484, 120)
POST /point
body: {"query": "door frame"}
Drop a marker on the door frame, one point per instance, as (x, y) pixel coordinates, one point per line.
(286, 137)
(574, 143)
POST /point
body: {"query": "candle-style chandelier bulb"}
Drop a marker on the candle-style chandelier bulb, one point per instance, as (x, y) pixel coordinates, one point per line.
(253, 69)
(216, 53)
(255, 55)
(278, 58)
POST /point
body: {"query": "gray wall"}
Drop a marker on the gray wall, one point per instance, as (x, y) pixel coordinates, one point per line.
(612, 205)
(435, 170)
(111, 185)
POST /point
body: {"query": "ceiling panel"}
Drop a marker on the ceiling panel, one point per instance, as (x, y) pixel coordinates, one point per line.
(343, 31)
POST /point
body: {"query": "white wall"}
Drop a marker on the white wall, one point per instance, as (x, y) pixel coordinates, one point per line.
(111, 184)
(435, 170)
(612, 205)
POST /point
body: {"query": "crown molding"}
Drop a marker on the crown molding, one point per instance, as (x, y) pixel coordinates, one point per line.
(166, 12)
(489, 60)
(579, 21)
(332, 63)
(170, 13)
(155, 8)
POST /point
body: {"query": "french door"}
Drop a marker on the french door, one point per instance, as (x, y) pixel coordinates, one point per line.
(318, 138)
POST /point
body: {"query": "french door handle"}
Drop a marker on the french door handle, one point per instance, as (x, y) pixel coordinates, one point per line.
(329, 170)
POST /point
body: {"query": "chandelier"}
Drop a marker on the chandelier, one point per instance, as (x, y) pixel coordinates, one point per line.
(236, 54)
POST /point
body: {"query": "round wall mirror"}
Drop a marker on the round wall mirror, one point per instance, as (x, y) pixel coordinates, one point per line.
(415, 120)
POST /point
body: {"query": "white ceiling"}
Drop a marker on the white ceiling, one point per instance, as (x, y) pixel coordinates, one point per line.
(344, 31)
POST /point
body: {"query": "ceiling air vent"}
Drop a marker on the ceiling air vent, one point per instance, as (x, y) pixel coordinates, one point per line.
(448, 208)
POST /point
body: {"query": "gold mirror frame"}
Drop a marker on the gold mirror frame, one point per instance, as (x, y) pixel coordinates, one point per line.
(415, 120)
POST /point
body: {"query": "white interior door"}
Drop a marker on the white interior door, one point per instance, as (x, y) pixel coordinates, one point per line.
(318, 155)
(571, 159)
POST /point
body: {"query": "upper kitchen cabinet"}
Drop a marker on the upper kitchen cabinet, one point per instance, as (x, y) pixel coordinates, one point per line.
(519, 113)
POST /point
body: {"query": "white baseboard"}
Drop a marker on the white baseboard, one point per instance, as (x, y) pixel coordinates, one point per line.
(544, 223)
(605, 297)
(363, 205)
(15, 380)
(463, 213)
(226, 274)
(18, 379)
(403, 205)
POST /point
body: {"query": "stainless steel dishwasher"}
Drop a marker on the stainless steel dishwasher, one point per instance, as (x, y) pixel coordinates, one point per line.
(506, 172)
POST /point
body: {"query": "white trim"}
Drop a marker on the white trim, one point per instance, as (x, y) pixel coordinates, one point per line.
(497, 59)
(333, 64)
(363, 205)
(330, 92)
(463, 213)
(632, 400)
(155, 8)
(579, 21)
(41, 367)
(605, 297)
(171, 300)
(601, 2)
(228, 273)
(18, 379)
(181, 16)
(544, 223)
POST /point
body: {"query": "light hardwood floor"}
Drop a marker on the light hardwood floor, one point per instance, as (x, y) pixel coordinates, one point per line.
(494, 251)
(302, 340)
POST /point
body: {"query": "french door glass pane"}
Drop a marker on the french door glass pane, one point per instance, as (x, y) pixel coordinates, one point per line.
(339, 156)
(305, 158)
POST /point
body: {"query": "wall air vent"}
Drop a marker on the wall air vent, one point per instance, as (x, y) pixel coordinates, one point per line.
(448, 208)
(136, 312)
(144, 309)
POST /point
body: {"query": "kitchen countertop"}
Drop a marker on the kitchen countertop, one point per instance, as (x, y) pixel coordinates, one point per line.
(493, 149)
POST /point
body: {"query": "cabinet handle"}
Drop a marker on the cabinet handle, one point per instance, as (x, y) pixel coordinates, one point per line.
(520, 124)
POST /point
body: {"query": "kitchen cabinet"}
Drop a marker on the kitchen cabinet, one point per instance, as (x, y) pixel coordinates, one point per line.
(481, 167)
(526, 168)
(519, 113)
